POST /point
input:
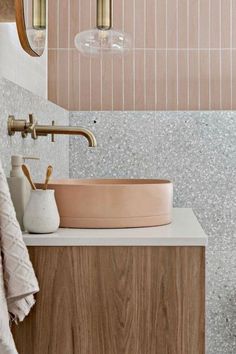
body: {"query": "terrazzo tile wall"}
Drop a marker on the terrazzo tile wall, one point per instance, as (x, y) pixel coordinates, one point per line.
(197, 151)
(20, 102)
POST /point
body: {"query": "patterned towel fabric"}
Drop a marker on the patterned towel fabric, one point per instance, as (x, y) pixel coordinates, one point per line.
(17, 279)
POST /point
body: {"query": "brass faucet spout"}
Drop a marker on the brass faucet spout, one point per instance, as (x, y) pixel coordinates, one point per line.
(64, 130)
(35, 129)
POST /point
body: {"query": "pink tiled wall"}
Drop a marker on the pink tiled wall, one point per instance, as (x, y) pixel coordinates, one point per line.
(184, 56)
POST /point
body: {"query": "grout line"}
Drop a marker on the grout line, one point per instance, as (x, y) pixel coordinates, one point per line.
(144, 55)
(231, 53)
(162, 49)
(112, 76)
(188, 59)
(57, 81)
(177, 55)
(68, 55)
(134, 63)
(112, 83)
(166, 55)
(90, 60)
(79, 18)
(209, 51)
(101, 80)
(220, 27)
(155, 54)
(123, 60)
(198, 55)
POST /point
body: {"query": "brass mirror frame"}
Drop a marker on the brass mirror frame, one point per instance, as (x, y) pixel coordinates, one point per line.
(13, 11)
(21, 28)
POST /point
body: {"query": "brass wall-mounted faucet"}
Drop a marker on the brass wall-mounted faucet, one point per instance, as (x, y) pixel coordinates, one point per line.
(32, 127)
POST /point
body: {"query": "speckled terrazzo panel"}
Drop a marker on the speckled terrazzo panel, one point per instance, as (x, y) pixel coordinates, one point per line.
(197, 151)
(124, 142)
(20, 102)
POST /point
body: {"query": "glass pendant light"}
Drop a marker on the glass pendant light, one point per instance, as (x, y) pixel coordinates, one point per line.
(103, 39)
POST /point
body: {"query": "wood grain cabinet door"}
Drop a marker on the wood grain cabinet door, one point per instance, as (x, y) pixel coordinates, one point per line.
(116, 300)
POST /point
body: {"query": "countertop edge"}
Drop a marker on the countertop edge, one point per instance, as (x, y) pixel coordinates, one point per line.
(184, 231)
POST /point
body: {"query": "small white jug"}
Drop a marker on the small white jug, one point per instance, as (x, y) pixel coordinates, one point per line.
(41, 214)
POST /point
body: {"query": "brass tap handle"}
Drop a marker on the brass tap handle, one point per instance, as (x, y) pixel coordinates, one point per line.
(53, 135)
(32, 126)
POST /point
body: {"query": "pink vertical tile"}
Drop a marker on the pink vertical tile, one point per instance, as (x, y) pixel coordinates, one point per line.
(96, 89)
(204, 23)
(128, 17)
(193, 81)
(74, 78)
(128, 82)
(117, 83)
(139, 24)
(107, 83)
(52, 75)
(234, 80)
(52, 24)
(139, 81)
(63, 23)
(225, 23)
(74, 26)
(182, 80)
(215, 80)
(215, 24)
(93, 10)
(172, 80)
(150, 80)
(172, 24)
(63, 98)
(161, 80)
(84, 83)
(128, 63)
(117, 72)
(204, 80)
(193, 23)
(84, 15)
(150, 23)
(226, 79)
(118, 14)
(233, 15)
(160, 24)
(182, 24)
(28, 14)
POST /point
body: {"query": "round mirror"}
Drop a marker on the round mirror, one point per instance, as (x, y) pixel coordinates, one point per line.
(31, 25)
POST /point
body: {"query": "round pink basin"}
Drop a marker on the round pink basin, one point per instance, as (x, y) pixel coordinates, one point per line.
(113, 203)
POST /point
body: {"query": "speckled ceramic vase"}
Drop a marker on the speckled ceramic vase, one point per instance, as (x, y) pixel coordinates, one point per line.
(41, 214)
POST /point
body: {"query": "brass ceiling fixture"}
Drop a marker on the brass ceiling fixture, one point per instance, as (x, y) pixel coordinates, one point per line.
(103, 39)
(39, 14)
(104, 14)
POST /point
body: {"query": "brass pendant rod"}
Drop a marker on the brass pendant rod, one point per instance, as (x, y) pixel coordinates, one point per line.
(104, 14)
(39, 14)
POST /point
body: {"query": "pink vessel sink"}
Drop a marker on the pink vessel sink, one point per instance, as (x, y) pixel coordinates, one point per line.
(113, 203)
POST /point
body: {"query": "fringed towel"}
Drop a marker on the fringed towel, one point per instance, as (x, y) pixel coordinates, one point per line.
(17, 279)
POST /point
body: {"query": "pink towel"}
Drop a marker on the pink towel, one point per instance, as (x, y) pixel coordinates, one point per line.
(17, 279)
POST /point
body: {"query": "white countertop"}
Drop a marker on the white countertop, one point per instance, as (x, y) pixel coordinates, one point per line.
(185, 230)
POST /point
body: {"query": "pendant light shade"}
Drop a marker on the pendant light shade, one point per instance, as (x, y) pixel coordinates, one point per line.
(103, 39)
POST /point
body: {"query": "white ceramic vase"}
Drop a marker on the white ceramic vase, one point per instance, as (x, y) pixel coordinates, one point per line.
(41, 214)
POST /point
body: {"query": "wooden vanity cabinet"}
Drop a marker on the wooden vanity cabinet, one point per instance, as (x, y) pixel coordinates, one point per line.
(116, 300)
